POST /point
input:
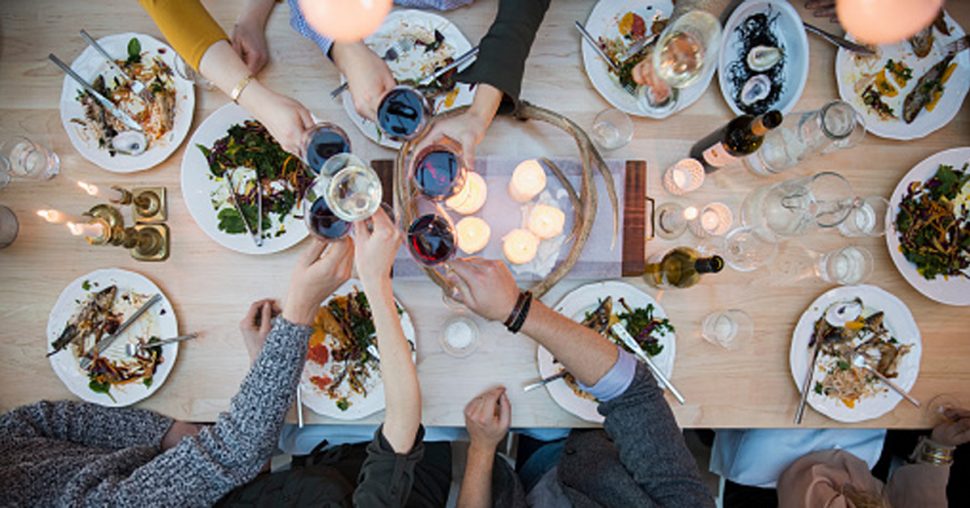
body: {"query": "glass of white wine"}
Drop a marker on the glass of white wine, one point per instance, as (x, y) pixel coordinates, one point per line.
(687, 48)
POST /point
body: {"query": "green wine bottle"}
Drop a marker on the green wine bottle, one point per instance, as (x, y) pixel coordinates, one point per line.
(680, 268)
(740, 137)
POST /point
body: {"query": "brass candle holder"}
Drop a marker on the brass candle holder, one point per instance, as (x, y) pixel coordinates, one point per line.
(148, 204)
(145, 242)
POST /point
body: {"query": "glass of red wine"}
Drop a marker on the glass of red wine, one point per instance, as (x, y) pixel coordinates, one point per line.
(403, 113)
(321, 142)
(431, 235)
(439, 170)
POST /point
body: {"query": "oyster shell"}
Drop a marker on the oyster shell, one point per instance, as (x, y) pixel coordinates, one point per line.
(130, 143)
(841, 313)
(755, 89)
(762, 58)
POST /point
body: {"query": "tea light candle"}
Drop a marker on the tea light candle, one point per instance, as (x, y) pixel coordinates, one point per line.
(685, 176)
(527, 181)
(546, 221)
(473, 234)
(520, 246)
(714, 219)
(471, 197)
(89, 230)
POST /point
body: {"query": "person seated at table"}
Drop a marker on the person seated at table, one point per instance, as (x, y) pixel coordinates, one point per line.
(232, 65)
(70, 453)
(497, 71)
(638, 459)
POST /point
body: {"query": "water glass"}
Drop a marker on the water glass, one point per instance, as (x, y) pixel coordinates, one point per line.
(727, 328)
(745, 251)
(612, 129)
(21, 158)
(671, 220)
(866, 218)
(459, 337)
(847, 266)
(794, 207)
(9, 227)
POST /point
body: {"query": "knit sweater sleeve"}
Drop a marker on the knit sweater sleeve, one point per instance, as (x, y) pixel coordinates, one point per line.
(86, 424)
(202, 469)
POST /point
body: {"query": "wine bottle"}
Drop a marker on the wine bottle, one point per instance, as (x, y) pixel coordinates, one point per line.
(741, 136)
(680, 268)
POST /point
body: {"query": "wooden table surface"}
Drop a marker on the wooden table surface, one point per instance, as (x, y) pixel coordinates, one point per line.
(211, 287)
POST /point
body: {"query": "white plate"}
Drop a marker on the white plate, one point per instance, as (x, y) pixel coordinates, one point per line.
(385, 37)
(602, 21)
(159, 321)
(900, 323)
(198, 186)
(848, 71)
(575, 305)
(360, 407)
(89, 64)
(790, 32)
(952, 291)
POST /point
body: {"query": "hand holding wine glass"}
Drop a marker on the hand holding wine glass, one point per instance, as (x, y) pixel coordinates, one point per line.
(469, 128)
(368, 77)
(484, 286)
(376, 243)
(955, 431)
(321, 269)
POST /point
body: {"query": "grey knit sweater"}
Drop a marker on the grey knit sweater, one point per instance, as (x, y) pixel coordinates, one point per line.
(79, 454)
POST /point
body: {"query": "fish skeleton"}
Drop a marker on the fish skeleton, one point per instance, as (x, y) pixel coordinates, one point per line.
(87, 320)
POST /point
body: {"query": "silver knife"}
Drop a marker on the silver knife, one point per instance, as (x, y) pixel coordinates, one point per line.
(599, 51)
(106, 342)
(467, 56)
(806, 385)
(838, 41)
(631, 343)
(258, 240)
(638, 47)
(544, 381)
(110, 106)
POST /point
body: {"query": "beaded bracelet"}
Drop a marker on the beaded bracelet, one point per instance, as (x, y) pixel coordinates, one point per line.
(520, 319)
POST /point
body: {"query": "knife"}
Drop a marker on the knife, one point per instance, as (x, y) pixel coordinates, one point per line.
(544, 381)
(110, 106)
(599, 51)
(638, 47)
(465, 57)
(624, 336)
(839, 41)
(806, 386)
(106, 342)
(258, 240)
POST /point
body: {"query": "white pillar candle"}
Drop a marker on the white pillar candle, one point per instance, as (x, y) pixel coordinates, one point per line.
(546, 221)
(473, 234)
(471, 198)
(92, 230)
(520, 246)
(527, 181)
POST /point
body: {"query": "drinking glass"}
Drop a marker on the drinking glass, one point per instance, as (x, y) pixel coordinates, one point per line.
(322, 142)
(672, 220)
(612, 129)
(934, 409)
(793, 207)
(354, 191)
(459, 337)
(686, 48)
(24, 159)
(834, 127)
(431, 235)
(9, 227)
(403, 113)
(746, 251)
(320, 220)
(727, 328)
(847, 266)
(439, 170)
(866, 218)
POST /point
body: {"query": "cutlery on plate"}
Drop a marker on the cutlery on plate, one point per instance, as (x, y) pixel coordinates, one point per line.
(544, 381)
(133, 348)
(467, 56)
(106, 342)
(391, 55)
(110, 106)
(299, 406)
(637, 47)
(258, 240)
(259, 211)
(631, 343)
(861, 361)
(602, 54)
(809, 375)
(136, 86)
(841, 42)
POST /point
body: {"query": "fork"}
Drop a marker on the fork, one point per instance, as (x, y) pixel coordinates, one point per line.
(862, 361)
(136, 86)
(133, 348)
(391, 55)
(632, 90)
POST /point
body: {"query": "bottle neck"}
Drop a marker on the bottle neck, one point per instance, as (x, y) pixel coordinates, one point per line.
(712, 264)
(758, 127)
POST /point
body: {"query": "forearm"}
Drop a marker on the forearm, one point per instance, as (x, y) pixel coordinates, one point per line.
(256, 12)
(402, 416)
(187, 26)
(586, 354)
(476, 485)
(485, 104)
(87, 424)
(922, 485)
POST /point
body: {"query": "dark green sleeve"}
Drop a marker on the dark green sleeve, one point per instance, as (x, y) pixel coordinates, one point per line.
(386, 477)
(503, 50)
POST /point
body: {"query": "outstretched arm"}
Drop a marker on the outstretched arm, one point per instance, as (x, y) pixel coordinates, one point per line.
(487, 419)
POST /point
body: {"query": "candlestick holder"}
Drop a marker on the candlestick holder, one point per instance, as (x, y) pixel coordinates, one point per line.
(148, 204)
(145, 242)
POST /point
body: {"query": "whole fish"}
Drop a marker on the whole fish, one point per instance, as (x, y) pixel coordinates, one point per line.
(922, 94)
(88, 319)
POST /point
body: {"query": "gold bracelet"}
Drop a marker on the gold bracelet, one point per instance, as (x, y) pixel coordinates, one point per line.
(931, 452)
(238, 89)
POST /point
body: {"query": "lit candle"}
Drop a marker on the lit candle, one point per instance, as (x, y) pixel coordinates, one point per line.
(709, 220)
(685, 176)
(58, 217)
(90, 230)
(471, 197)
(714, 219)
(112, 194)
(690, 213)
(473, 234)
(527, 181)
(546, 221)
(520, 246)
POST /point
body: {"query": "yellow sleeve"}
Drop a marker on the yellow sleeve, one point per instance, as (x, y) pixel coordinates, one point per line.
(186, 24)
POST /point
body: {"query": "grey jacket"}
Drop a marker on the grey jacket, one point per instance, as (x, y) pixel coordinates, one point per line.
(79, 454)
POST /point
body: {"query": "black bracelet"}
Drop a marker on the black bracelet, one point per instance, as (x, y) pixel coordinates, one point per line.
(520, 319)
(515, 310)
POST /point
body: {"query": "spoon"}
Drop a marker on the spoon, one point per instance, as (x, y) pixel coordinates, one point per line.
(860, 361)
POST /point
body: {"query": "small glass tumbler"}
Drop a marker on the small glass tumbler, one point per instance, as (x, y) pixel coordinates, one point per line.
(612, 129)
(403, 113)
(745, 251)
(671, 220)
(687, 175)
(867, 217)
(848, 265)
(727, 328)
(459, 337)
(9, 227)
(23, 159)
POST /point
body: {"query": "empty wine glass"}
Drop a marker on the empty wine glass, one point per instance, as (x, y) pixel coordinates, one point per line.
(745, 251)
(934, 410)
(866, 218)
(612, 129)
(848, 265)
(727, 328)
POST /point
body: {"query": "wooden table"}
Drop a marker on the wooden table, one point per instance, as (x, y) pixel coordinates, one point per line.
(211, 287)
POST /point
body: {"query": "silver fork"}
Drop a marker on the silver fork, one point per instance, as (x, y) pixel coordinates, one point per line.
(391, 55)
(136, 86)
(133, 348)
(630, 89)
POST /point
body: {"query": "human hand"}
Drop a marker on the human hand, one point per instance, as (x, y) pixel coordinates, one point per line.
(467, 129)
(484, 286)
(487, 418)
(376, 243)
(368, 76)
(286, 119)
(256, 325)
(249, 42)
(822, 9)
(177, 431)
(955, 431)
(321, 269)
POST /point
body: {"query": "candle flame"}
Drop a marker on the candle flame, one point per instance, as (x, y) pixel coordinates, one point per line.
(51, 216)
(91, 189)
(75, 229)
(690, 213)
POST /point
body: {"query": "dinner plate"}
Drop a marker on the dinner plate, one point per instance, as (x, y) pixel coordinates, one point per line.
(158, 321)
(361, 407)
(198, 187)
(788, 28)
(88, 65)
(951, 291)
(603, 21)
(575, 305)
(901, 325)
(849, 69)
(407, 67)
